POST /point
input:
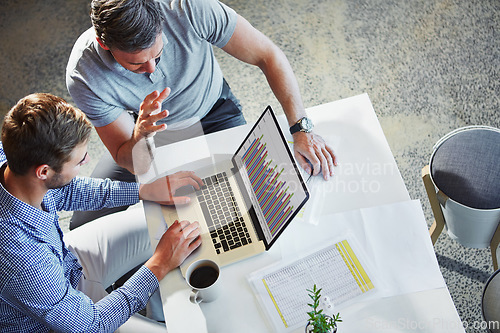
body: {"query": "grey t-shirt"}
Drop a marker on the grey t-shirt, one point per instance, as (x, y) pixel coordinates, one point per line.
(103, 89)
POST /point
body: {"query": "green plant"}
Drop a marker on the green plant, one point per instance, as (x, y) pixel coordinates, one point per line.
(320, 322)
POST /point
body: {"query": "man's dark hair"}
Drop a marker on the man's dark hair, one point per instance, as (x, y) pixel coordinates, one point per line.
(127, 25)
(42, 129)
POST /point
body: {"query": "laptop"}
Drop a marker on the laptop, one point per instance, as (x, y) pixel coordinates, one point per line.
(247, 200)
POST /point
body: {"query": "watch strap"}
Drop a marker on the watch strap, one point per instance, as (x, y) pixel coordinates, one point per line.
(295, 128)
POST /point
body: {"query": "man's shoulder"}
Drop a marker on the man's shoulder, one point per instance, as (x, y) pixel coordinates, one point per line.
(210, 20)
(84, 42)
(192, 9)
(20, 247)
(87, 37)
(84, 51)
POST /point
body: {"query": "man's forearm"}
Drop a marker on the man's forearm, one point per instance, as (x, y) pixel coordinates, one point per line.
(284, 85)
(135, 156)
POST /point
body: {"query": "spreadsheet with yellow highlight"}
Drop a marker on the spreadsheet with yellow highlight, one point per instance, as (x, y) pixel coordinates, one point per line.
(336, 269)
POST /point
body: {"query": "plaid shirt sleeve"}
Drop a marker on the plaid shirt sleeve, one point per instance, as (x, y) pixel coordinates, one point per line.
(58, 306)
(84, 193)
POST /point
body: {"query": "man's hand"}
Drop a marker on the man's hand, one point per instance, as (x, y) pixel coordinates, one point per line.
(311, 147)
(149, 113)
(163, 190)
(176, 244)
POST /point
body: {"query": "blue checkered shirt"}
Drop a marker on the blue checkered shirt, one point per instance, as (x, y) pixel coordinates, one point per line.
(39, 274)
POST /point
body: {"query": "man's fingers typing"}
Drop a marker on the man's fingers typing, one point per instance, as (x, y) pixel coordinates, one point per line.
(194, 244)
(192, 230)
(180, 239)
(188, 178)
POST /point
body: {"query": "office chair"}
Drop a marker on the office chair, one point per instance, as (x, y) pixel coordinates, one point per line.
(462, 182)
(490, 304)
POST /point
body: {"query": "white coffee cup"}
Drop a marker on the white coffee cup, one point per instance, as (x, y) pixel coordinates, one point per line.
(203, 278)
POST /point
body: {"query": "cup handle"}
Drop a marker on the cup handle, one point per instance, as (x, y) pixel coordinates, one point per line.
(194, 297)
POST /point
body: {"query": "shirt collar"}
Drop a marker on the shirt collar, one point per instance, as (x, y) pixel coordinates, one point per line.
(158, 74)
(41, 221)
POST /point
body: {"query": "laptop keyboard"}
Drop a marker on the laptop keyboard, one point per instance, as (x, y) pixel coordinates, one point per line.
(222, 214)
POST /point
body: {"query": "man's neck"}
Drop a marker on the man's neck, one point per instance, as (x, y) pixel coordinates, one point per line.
(24, 187)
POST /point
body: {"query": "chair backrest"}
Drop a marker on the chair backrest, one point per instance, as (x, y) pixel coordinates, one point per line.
(491, 303)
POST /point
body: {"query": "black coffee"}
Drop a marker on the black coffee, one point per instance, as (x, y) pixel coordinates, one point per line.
(203, 277)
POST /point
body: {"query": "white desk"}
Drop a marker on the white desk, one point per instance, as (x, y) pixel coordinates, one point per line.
(360, 200)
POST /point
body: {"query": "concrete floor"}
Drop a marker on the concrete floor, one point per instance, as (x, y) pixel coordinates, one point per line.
(429, 66)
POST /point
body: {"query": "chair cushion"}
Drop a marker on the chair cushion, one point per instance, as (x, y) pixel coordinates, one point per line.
(466, 167)
(490, 303)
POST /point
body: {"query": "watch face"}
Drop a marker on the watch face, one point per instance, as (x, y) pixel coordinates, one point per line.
(306, 124)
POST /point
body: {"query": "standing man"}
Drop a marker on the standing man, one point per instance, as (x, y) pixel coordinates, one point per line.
(55, 282)
(158, 54)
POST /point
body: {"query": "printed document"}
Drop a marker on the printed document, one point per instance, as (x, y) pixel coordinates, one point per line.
(336, 269)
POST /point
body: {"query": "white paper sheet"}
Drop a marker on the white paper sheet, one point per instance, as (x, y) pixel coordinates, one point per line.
(383, 233)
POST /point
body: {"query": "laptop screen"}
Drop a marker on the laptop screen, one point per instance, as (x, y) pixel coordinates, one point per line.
(277, 189)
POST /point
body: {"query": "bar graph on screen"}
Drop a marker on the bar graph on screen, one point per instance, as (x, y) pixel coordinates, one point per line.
(274, 186)
(274, 195)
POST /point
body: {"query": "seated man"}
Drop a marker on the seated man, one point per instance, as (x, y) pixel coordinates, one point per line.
(51, 282)
(151, 56)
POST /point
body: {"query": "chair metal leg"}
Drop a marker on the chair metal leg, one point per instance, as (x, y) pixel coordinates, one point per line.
(438, 225)
(495, 241)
